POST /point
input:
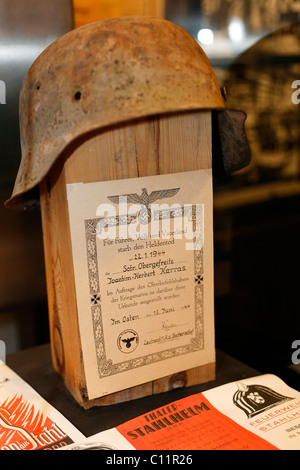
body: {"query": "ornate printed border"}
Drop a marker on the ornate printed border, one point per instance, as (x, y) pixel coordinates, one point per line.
(105, 365)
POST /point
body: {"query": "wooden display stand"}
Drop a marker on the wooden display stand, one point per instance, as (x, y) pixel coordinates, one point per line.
(157, 145)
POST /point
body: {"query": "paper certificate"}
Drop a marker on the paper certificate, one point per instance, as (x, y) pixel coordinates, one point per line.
(143, 265)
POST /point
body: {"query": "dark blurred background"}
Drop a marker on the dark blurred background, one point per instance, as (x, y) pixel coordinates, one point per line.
(254, 48)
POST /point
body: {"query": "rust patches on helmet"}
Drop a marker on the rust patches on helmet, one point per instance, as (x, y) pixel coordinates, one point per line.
(103, 74)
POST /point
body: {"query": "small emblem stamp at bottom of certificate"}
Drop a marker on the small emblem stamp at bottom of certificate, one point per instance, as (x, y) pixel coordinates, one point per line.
(128, 341)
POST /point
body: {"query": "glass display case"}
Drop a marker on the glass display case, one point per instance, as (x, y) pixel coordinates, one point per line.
(254, 48)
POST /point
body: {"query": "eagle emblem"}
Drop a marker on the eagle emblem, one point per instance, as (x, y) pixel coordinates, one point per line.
(128, 341)
(145, 200)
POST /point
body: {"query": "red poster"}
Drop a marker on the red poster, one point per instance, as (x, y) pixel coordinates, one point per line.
(27, 421)
(189, 424)
(24, 428)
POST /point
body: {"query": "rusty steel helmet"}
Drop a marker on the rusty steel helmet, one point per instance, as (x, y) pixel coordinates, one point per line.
(110, 72)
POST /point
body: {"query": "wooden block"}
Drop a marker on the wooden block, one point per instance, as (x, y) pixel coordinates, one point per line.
(161, 145)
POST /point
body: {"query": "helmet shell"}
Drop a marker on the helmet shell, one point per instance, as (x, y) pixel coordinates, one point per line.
(102, 74)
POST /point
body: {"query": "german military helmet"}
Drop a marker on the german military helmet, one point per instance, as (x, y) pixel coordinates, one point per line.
(109, 72)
